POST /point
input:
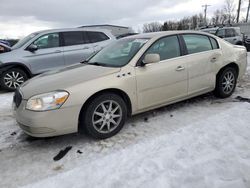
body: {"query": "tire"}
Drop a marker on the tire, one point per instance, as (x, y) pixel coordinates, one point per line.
(12, 78)
(226, 82)
(98, 120)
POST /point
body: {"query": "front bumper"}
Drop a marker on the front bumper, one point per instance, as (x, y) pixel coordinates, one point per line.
(48, 123)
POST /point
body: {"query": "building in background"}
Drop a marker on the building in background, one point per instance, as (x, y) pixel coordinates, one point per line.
(115, 29)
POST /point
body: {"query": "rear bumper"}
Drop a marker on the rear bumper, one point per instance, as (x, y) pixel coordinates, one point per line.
(49, 123)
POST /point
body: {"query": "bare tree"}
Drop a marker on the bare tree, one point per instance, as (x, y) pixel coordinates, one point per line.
(229, 9)
(152, 27)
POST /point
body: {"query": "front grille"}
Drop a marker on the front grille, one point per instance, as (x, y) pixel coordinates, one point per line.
(17, 98)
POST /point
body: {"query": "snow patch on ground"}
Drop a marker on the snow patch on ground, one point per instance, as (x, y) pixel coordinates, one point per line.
(213, 152)
(201, 142)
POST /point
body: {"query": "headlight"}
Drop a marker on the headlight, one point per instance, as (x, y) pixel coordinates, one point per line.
(47, 101)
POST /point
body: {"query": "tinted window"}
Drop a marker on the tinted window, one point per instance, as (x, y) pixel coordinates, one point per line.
(197, 43)
(214, 43)
(167, 48)
(97, 36)
(47, 41)
(230, 33)
(73, 38)
(221, 33)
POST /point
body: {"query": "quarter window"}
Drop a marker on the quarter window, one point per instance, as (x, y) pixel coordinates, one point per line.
(197, 43)
(97, 36)
(214, 43)
(167, 48)
(47, 41)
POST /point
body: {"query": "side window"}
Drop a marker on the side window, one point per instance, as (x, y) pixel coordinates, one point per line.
(167, 48)
(97, 36)
(73, 38)
(47, 41)
(221, 33)
(230, 33)
(214, 43)
(197, 43)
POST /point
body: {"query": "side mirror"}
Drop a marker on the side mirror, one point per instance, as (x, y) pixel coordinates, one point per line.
(32, 48)
(151, 58)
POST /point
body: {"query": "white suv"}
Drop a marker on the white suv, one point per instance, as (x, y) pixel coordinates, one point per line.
(230, 34)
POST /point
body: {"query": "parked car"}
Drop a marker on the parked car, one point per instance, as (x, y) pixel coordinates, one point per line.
(4, 47)
(230, 34)
(247, 43)
(47, 50)
(133, 75)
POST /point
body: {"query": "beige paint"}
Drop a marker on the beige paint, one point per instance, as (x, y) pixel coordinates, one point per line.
(148, 87)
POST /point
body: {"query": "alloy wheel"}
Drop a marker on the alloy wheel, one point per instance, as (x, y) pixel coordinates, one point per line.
(13, 79)
(107, 116)
(228, 82)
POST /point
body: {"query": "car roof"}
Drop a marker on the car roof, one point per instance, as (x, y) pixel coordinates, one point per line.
(71, 29)
(166, 33)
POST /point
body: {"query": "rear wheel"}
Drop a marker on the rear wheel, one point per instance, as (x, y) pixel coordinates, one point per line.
(226, 82)
(12, 79)
(104, 116)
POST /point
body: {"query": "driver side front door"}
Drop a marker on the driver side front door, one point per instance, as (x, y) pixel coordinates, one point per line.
(165, 81)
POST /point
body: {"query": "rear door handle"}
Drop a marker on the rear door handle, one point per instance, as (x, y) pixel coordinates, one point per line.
(180, 68)
(85, 48)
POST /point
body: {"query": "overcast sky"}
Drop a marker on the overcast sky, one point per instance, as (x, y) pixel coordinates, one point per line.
(21, 17)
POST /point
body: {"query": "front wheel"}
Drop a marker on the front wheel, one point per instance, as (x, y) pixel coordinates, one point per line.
(104, 116)
(226, 82)
(12, 79)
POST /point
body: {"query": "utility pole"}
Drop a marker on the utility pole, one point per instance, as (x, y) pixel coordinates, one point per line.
(205, 12)
(238, 12)
(248, 11)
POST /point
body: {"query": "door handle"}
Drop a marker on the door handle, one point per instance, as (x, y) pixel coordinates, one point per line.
(214, 59)
(85, 48)
(57, 51)
(180, 68)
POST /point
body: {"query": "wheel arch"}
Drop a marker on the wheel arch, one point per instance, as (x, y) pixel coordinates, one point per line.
(119, 92)
(21, 66)
(232, 65)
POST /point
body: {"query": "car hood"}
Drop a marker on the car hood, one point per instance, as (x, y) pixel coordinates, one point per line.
(62, 79)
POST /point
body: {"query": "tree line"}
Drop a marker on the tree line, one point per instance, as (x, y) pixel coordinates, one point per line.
(223, 16)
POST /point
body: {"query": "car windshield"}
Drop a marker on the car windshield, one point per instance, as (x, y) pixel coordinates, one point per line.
(118, 53)
(24, 41)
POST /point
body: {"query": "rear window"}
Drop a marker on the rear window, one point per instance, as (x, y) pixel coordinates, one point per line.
(197, 43)
(73, 38)
(97, 36)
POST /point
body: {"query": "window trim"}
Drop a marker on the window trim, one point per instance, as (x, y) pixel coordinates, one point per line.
(139, 62)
